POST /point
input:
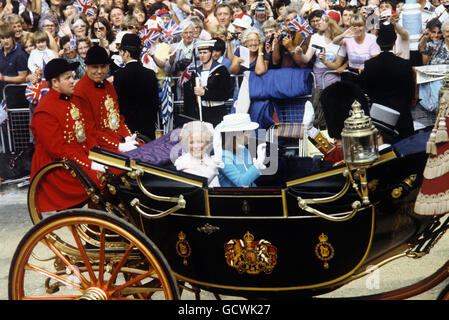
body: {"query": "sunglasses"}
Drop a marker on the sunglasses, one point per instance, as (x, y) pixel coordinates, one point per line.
(79, 25)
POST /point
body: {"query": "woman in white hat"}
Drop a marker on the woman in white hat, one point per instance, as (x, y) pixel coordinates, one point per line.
(230, 140)
(196, 138)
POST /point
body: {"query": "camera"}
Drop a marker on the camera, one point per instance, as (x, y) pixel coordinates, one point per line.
(283, 35)
(235, 35)
(318, 48)
(260, 6)
(370, 9)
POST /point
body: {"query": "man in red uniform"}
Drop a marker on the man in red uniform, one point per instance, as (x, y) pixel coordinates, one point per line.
(100, 96)
(61, 131)
(336, 103)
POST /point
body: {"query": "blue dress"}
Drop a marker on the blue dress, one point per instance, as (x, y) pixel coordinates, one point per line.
(238, 170)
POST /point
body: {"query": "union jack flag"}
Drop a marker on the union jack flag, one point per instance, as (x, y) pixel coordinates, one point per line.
(35, 91)
(86, 6)
(3, 112)
(186, 75)
(170, 30)
(149, 36)
(299, 24)
(144, 55)
(166, 101)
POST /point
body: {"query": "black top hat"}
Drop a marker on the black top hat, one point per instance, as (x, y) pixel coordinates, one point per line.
(386, 36)
(130, 41)
(58, 66)
(97, 55)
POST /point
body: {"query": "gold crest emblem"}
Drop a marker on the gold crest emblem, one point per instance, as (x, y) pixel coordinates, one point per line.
(74, 112)
(113, 116)
(324, 250)
(78, 127)
(249, 256)
(183, 247)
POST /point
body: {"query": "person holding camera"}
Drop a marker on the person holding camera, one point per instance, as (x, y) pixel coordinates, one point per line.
(261, 11)
(285, 42)
(387, 10)
(242, 22)
(269, 29)
(183, 51)
(325, 51)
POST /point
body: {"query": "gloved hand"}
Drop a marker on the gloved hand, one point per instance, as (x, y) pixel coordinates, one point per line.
(126, 146)
(132, 139)
(261, 156)
(216, 144)
(97, 166)
(309, 115)
(307, 120)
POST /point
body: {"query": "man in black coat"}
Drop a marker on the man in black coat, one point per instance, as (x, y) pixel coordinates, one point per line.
(389, 80)
(137, 89)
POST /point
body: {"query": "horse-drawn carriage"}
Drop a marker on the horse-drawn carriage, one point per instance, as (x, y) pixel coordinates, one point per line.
(156, 231)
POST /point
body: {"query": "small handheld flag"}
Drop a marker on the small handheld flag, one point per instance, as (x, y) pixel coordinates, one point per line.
(299, 24)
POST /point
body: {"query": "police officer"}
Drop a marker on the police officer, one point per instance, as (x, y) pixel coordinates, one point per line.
(61, 131)
(137, 89)
(110, 129)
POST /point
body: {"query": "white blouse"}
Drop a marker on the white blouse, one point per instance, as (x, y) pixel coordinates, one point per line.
(205, 167)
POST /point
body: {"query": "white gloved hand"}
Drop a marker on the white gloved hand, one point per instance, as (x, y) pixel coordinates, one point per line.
(97, 167)
(261, 156)
(132, 139)
(126, 146)
(307, 120)
(309, 115)
(262, 151)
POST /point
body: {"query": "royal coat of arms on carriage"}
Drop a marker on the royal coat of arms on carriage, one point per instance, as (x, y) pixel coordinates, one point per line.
(250, 256)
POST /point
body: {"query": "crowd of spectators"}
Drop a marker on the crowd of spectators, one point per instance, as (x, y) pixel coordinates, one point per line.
(343, 38)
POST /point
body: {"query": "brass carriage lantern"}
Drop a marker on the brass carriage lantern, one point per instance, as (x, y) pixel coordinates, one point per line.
(360, 149)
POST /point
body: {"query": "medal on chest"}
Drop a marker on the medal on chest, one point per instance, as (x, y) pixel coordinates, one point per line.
(78, 126)
(112, 120)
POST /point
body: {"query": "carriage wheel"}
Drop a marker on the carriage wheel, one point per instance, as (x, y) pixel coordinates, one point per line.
(36, 214)
(53, 261)
(444, 294)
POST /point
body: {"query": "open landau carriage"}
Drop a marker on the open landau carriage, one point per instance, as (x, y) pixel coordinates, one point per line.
(157, 232)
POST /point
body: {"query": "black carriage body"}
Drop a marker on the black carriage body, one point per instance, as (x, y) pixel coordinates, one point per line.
(259, 242)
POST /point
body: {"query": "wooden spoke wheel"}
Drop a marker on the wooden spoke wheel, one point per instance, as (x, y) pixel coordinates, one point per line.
(444, 294)
(36, 214)
(53, 261)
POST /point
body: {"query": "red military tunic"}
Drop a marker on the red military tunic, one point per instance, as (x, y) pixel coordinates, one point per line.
(110, 127)
(329, 150)
(61, 132)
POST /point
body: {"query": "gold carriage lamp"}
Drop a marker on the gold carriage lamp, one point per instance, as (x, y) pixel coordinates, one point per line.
(360, 149)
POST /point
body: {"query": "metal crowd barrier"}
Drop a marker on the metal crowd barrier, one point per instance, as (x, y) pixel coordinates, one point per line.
(15, 133)
(16, 127)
